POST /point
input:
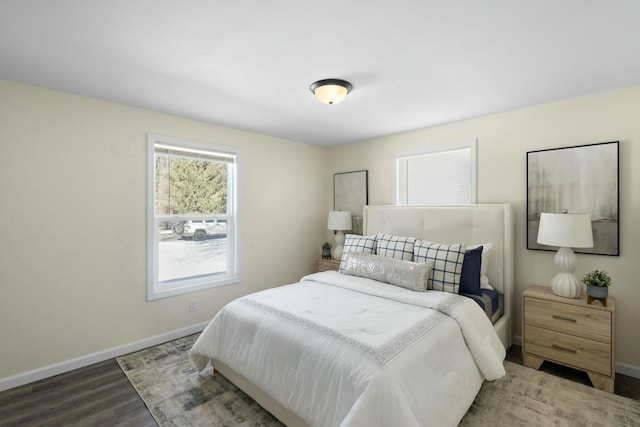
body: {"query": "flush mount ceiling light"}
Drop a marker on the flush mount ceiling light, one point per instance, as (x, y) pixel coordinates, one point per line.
(331, 91)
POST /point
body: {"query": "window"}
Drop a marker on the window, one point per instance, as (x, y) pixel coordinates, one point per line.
(191, 216)
(444, 175)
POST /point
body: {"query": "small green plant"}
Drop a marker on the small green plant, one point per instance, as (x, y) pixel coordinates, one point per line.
(326, 245)
(597, 278)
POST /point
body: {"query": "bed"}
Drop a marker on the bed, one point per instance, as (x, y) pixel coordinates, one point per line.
(343, 349)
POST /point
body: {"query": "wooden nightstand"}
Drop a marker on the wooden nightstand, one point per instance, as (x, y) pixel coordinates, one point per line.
(570, 332)
(328, 264)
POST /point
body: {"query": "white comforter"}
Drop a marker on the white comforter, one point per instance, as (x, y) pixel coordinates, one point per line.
(341, 350)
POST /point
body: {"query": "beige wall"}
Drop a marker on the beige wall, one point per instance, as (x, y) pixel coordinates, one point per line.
(73, 193)
(72, 196)
(503, 140)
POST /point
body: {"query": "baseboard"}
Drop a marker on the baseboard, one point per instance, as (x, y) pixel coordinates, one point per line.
(621, 368)
(628, 370)
(82, 361)
(517, 340)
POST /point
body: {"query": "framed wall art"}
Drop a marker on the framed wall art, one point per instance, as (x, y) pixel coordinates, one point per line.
(350, 193)
(580, 179)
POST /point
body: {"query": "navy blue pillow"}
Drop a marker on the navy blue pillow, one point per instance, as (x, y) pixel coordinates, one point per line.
(470, 276)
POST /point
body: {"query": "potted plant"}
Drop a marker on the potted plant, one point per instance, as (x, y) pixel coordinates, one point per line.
(326, 250)
(598, 283)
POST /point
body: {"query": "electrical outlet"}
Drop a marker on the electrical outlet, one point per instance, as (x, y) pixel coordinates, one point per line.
(192, 305)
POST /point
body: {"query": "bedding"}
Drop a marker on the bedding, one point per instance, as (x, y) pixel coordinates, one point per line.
(340, 350)
(488, 225)
(491, 301)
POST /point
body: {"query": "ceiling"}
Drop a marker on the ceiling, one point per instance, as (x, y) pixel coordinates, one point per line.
(248, 64)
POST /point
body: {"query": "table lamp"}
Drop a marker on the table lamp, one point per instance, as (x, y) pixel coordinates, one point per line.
(340, 222)
(566, 231)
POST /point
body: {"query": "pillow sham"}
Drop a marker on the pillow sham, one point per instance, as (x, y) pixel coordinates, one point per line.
(356, 244)
(395, 247)
(486, 252)
(470, 273)
(447, 264)
(406, 274)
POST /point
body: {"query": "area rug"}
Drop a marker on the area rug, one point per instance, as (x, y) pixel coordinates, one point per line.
(178, 395)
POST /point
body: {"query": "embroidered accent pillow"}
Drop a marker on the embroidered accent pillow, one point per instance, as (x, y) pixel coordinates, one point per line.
(395, 247)
(356, 244)
(447, 264)
(406, 274)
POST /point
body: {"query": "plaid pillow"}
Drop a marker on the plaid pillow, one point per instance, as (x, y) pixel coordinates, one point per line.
(355, 244)
(395, 247)
(447, 264)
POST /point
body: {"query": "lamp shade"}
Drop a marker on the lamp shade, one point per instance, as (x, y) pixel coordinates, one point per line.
(565, 230)
(339, 220)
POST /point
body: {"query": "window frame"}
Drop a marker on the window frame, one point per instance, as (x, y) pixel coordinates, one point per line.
(471, 145)
(157, 290)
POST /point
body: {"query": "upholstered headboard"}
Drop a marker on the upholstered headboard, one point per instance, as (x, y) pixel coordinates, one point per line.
(469, 224)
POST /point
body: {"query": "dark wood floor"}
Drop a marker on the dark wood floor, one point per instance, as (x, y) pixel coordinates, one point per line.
(98, 395)
(101, 395)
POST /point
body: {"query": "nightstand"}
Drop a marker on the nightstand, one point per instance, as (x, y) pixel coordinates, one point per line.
(570, 332)
(327, 264)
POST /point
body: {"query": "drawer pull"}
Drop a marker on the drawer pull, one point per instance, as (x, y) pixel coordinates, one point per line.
(566, 319)
(566, 350)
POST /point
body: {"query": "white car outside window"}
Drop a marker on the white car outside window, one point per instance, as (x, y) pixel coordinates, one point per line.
(199, 230)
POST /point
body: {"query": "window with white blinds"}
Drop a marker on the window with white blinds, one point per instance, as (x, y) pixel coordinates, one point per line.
(443, 175)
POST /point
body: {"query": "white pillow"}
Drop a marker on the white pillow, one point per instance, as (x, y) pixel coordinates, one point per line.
(484, 268)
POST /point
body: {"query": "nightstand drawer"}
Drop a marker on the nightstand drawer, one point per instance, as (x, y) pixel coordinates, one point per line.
(569, 350)
(570, 319)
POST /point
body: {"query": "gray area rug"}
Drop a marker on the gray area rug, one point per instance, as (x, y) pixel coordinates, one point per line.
(178, 395)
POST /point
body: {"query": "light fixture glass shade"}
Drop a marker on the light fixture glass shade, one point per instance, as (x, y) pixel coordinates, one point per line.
(566, 231)
(331, 91)
(339, 220)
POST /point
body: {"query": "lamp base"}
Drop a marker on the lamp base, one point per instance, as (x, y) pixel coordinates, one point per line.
(336, 253)
(565, 284)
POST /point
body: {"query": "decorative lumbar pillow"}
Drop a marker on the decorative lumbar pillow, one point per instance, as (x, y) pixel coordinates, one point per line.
(447, 264)
(486, 252)
(406, 274)
(396, 247)
(355, 244)
(470, 274)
